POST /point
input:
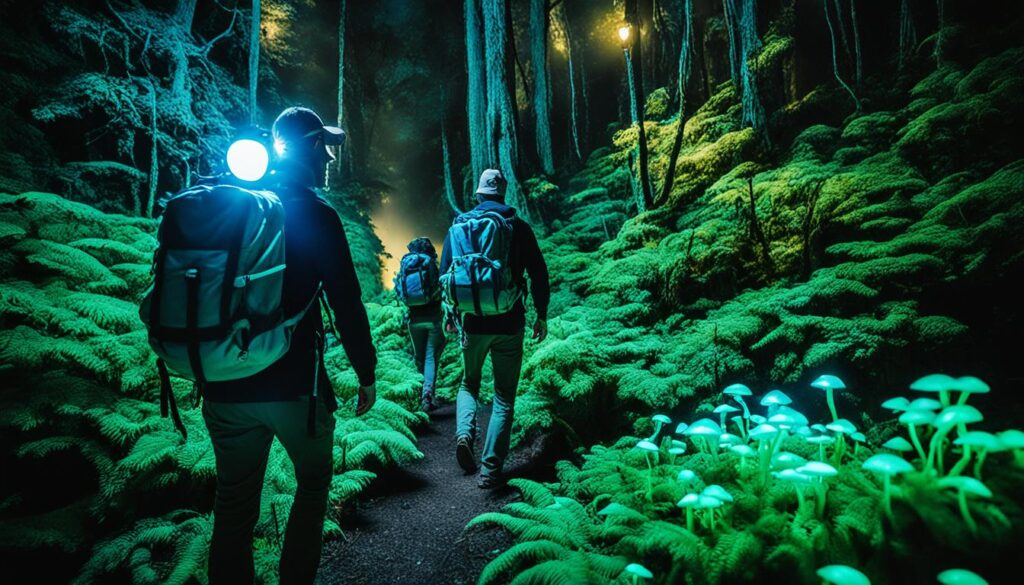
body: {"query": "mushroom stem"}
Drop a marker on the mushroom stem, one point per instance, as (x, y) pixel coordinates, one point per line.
(935, 448)
(887, 496)
(944, 398)
(831, 404)
(979, 463)
(966, 512)
(657, 429)
(960, 465)
(821, 452)
(917, 443)
(712, 511)
(963, 398)
(837, 454)
(799, 497)
(743, 404)
(689, 519)
(650, 472)
(819, 502)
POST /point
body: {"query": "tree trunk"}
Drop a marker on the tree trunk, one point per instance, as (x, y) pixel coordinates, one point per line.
(501, 115)
(635, 63)
(541, 91)
(476, 92)
(344, 160)
(835, 63)
(858, 69)
(449, 187)
(185, 13)
(685, 60)
(731, 24)
(750, 43)
(254, 60)
(154, 167)
(573, 108)
(908, 36)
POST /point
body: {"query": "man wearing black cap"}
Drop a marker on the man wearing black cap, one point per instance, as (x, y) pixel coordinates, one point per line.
(243, 416)
(498, 335)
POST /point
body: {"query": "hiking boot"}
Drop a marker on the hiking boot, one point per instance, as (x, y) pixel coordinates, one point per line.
(489, 482)
(464, 454)
(427, 403)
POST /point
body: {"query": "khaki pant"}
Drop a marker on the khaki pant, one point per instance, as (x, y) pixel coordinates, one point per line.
(242, 434)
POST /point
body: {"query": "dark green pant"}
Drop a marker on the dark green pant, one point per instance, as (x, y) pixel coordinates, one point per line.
(507, 359)
(242, 434)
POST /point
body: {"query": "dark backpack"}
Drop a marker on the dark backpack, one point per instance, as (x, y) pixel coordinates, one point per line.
(214, 310)
(480, 280)
(416, 283)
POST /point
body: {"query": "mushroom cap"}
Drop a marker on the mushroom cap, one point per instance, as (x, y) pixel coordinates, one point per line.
(728, 439)
(803, 431)
(616, 509)
(842, 426)
(970, 385)
(738, 419)
(966, 484)
(704, 501)
(661, 418)
(898, 444)
(817, 469)
(737, 390)
(639, 570)
(843, 575)
(960, 577)
(887, 464)
(858, 436)
(828, 382)
(725, 408)
(933, 383)
(957, 414)
(678, 443)
(924, 404)
(983, 439)
(776, 397)
(704, 427)
(716, 491)
(762, 432)
(676, 451)
(1012, 438)
(688, 501)
(647, 446)
(681, 428)
(787, 460)
(798, 416)
(757, 419)
(917, 417)
(742, 450)
(792, 475)
(686, 475)
(818, 427)
(820, 439)
(896, 403)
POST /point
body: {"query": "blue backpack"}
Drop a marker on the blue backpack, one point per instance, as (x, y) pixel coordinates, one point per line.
(416, 283)
(480, 281)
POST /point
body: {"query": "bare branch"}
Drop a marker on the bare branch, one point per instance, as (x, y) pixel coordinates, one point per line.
(231, 27)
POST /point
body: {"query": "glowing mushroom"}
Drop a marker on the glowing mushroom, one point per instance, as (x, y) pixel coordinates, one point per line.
(914, 418)
(966, 486)
(981, 441)
(829, 384)
(898, 444)
(688, 503)
(939, 383)
(968, 385)
(635, 571)
(738, 391)
(708, 431)
(648, 447)
(659, 421)
(960, 577)
(958, 416)
(819, 470)
(843, 575)
(887, 465)
(798, 480)
(775, 399)
(723, 410)
(896, 404)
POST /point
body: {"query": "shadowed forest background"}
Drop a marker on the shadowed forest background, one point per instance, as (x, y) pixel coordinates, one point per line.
(777, 190)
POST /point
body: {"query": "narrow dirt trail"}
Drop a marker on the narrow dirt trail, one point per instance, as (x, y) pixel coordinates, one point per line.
(408, 526)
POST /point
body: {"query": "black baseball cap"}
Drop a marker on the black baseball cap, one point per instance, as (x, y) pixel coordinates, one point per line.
(298, 124)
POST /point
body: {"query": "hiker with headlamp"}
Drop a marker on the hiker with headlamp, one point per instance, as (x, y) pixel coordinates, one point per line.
(290, 395)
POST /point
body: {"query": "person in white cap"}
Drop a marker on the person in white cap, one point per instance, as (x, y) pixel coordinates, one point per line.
(487, 255)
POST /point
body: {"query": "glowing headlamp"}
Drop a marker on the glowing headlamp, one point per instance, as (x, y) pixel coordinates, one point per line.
(248, 159)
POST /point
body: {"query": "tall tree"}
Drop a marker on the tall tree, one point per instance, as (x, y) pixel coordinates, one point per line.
(750, 43)
(835, 62)
(574, 124)
(254, 60)
(731, 26)
(685, 67)
(476, 90)
(181, 84)
(344, 160)
(858, 69)
(908, 35)
(449, 187)
(634, 62)
(501, 115)
(541, 92)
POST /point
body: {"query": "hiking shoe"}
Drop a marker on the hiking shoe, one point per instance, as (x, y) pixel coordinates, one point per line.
(464, 454)
(489, 482)
(427, 403)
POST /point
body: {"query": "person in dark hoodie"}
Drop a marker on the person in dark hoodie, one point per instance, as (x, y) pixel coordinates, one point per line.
(416, 285)
(292, 399)
(499, 335)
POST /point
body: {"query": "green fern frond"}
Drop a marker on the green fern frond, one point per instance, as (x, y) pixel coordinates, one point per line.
(519, 556)
(534, 493)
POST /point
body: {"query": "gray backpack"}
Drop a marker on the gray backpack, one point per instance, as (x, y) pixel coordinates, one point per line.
(416, 281)
(214, 310)
(480, 281)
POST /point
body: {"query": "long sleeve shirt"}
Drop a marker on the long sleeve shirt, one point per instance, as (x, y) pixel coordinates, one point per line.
(316, 251)
(525, 259)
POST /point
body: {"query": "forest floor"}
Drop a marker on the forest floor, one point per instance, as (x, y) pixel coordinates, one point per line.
(407, 527)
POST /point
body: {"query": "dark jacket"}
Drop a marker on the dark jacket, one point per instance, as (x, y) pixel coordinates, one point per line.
(524, 257)
(316, 250)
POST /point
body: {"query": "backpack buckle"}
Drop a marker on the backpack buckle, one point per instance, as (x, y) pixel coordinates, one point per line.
(192, 273)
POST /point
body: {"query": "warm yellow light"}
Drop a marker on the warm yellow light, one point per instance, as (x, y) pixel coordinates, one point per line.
(624, 33)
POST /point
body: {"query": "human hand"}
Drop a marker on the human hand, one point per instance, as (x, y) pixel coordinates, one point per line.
(449, 326)
(367, 397)
(540, 330)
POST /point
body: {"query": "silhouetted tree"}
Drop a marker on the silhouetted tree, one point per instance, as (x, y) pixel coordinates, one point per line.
(685, 66)
(635, 60)
(476, 89)
(541, 91)
(254, 59)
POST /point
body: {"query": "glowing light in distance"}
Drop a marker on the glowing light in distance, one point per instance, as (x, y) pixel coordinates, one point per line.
(248, 160)
(623, 33)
